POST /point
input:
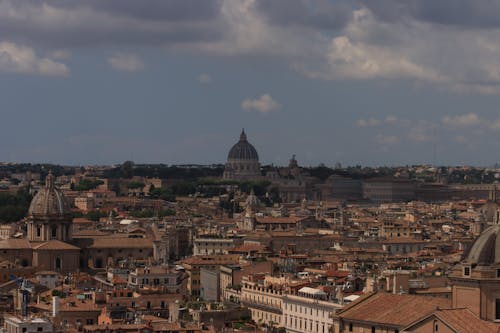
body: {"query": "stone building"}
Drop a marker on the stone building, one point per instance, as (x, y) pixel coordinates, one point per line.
(476, 280)
(242, 161)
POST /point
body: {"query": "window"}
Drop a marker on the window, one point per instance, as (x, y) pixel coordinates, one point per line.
(373, 329)
(58, 263)
(498, 273)
(497, 309)
(350, 327)
(38, 231)
(436, 326)
(467, 271)
(54, 231)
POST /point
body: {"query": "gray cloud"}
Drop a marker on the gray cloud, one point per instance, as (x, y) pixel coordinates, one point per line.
(319, 14)
(462, 13)
(110, 22)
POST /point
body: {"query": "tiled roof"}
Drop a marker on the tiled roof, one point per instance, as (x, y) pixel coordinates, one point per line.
(12, 243)
(121, 242)
(55, 245)
(460, 321)
(390, 309)
(464, 321)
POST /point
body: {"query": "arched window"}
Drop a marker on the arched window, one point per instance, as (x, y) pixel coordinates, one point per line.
(38, 231)
(58, 263)
(54, 231)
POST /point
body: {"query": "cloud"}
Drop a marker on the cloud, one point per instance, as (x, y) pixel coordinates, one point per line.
(386, 140)
(205, 78)
(373, 122)
(126, 62)
(22, 59)
(369, 122)
(263, 104)
(464, 120)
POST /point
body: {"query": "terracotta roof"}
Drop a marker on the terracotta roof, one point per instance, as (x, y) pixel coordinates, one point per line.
(390, 309)
(55, 245)
(121, 242)
(278, 219)
(12, 243)
(462, 321)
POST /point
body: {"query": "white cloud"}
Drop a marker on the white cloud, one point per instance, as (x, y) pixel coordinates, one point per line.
(369, 122)
(263, 104)
(126, 62)
(391, 120)
(22, 59)
(205, 78)
(464, 120)
(386, 140)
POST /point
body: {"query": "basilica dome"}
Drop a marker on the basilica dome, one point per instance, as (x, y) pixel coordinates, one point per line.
(242, 161)
(49, 202)
(243, 150)
(486, 248)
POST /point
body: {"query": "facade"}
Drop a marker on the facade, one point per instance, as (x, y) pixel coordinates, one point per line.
(242, 161)
(264, 301)
(476, 280)
(14, 324)
(202, 246)
(159, 277)
(210, 285)
(308, 311)
(381, 190)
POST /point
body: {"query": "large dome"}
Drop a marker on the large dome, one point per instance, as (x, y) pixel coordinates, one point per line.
(243, 150)
(49, 202)
(486, 248)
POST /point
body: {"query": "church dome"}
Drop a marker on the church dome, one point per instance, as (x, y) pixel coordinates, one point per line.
(486, 248)
(243, 150)
(49, 202)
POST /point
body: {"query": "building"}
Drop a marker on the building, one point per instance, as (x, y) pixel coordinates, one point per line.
(383, 312)
(265, 301)
(476, 280)
(242, 161)
(206, 245)
(381, 190)
(14, 324)
(309, 311)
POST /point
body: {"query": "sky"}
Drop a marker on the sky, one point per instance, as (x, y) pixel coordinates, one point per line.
(370, 82)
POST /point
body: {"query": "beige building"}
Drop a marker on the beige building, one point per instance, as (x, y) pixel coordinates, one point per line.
(192, 265)
(309, 311)
(265, 301)
(208, 246)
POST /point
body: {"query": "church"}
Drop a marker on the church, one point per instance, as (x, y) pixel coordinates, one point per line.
(51, 245)
(242, 161)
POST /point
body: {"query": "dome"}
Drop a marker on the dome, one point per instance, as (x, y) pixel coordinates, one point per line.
(486, 248)
(49, 202)
(243, 150)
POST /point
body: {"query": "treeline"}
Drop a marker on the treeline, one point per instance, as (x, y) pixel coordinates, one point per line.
(129, 169)
(13, 207)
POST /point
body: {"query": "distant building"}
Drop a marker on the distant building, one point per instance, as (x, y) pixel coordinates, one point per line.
(381, 190)
(242, 161)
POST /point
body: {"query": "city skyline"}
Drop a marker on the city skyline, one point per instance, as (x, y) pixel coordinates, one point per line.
(364, 82)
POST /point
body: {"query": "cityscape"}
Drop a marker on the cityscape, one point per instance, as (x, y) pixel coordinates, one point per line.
(279, 166)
